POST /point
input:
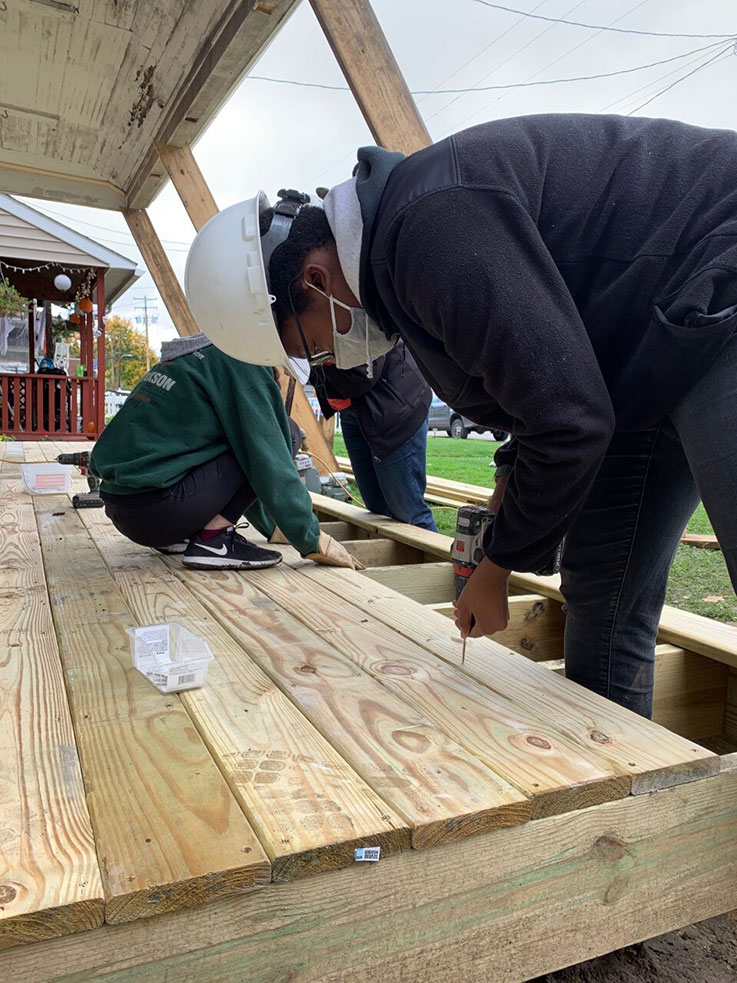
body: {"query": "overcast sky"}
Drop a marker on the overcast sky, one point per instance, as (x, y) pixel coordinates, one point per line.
(270, 135)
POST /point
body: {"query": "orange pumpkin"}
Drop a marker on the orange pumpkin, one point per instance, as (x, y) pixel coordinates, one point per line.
(74, 318)
(85, 305)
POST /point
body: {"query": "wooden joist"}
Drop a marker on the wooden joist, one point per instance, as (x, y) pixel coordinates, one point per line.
(309, 808)
(169, 833)
(431, 583)
(536, 625)
(50, 881)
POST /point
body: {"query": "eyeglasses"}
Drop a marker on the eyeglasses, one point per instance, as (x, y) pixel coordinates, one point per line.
(317, 357)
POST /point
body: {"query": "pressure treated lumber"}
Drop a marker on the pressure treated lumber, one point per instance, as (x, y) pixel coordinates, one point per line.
(381, 552)
(705, 542)
(189, 182)
(308, 806)
(689, 693)
(169, 833)
(530, 753)
(160, 269)
(536, 626)
(443, 792)
(653, 756)
(50, 881)
(495, 909)
(680, 628)
(372, 73)
(429, 583)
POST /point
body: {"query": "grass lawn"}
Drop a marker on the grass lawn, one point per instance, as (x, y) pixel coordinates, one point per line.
(696, 573)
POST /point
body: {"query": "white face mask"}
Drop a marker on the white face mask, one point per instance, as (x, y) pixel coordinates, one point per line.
(363, 343)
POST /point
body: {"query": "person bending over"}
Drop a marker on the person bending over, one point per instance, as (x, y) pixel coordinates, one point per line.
(202, 440)
(383, 416)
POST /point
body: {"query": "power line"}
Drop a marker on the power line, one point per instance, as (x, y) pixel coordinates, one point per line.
(717, 57)
(633, 93)
(103, 228)
(599, 27)
(512, 85)
(569, 51)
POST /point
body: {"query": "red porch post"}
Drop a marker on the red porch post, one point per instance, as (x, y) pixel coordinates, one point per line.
(100, 383)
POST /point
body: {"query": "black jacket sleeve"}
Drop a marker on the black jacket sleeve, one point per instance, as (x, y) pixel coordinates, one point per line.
(470, 268)
(331, 382)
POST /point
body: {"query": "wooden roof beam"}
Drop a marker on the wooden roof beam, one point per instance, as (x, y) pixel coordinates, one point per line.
(372, 73)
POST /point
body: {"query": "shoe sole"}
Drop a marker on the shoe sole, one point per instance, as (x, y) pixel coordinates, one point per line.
(210, 562)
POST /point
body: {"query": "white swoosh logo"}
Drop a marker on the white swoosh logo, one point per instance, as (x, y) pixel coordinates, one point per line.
(220, 550)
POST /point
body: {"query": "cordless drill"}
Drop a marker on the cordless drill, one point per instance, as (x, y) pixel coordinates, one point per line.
(473, 523)
(85, 500)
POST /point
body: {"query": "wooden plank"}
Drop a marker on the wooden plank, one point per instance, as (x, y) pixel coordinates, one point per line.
(160, 269)
(680, 628)
(535, 629)
(382, 552)
(495, 909)
(50, 881)
(531, 754)
(653, 757)
(371, 71)
(169, 833)
(690, 692)
(442, 791)
(308, 806)
(427, 583)
(189, 182)
(703, 541)
(341, 530)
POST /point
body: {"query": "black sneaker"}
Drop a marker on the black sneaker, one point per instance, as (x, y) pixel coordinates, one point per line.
(228, 551)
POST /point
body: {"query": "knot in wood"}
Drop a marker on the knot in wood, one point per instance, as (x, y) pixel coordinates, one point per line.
(610, 848)
(600, 737)
(306, 668)
(539, 742)
(394, 669)
(535, 611)
(527, 644)
(7, 893)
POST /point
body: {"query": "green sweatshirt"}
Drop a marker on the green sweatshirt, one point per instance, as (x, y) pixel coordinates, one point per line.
(188, 411)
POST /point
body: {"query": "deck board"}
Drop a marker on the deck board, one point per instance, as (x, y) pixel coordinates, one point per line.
(529, 753)
(307, 804)
(336, 714)
(169, 833)
(50, 881)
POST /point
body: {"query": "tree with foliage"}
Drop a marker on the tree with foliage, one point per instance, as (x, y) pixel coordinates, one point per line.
(125, 353)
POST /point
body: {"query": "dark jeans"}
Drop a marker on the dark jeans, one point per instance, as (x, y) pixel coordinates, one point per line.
(169, 515)
(619, 551)
(394, 485)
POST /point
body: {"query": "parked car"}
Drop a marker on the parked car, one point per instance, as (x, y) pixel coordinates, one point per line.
(442, 417)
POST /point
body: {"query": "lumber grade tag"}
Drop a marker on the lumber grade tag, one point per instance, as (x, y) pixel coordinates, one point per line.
(367, 854)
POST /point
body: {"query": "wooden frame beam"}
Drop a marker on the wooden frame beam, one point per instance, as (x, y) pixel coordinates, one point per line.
(159, 267)
(372, 73)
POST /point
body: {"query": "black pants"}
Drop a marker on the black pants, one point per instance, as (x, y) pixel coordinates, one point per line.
(169, 515)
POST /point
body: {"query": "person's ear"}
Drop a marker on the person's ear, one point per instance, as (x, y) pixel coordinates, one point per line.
(318, 276)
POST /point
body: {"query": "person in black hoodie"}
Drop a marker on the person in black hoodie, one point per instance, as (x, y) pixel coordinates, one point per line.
(571, 280)
(383, 413)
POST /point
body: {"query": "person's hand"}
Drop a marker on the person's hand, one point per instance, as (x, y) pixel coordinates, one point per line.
(332, 554)
(495, 500)
(482, 608)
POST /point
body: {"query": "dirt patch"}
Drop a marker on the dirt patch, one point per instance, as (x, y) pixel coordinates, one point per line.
(703, 953)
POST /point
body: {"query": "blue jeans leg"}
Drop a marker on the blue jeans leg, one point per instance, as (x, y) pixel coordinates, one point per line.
(362, 462)
(616, 561)
(394, 485)
(402, 476)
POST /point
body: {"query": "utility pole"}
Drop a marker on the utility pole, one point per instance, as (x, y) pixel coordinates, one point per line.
(146, 301)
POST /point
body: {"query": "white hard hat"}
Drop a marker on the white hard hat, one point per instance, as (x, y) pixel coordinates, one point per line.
(226, 286)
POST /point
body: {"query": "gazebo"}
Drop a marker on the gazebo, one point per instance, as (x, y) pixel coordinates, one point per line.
(47, 262)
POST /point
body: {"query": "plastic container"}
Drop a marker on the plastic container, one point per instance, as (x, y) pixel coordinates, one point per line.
(47, 479)
(170, 656)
